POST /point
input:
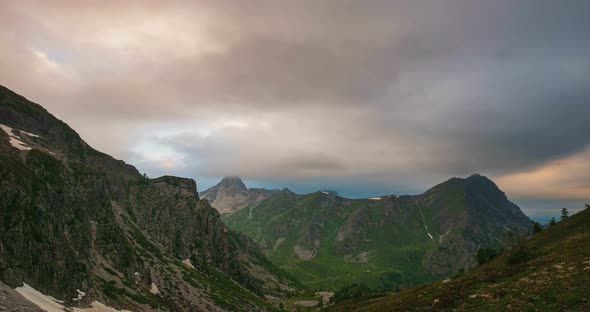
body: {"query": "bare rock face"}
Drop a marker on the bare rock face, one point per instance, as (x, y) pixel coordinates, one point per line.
(231, 194)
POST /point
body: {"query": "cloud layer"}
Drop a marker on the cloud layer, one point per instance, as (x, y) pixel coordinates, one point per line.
(386, 94)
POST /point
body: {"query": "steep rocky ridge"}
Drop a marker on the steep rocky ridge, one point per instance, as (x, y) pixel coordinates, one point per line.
(73, 218)
(389, 241)
(231, 194)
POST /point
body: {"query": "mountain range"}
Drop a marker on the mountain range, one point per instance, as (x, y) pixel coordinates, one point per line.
(391, 241)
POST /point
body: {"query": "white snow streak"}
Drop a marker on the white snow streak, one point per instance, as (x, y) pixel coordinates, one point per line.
(426, 227)
(154, 289)
(188, 263)
(45, 302)
(81, 295)
(15, 140)
(51, 304)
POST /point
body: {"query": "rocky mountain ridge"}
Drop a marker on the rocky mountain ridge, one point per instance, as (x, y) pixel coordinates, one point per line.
(73, 220)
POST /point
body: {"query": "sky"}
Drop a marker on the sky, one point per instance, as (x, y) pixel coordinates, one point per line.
(362, 97)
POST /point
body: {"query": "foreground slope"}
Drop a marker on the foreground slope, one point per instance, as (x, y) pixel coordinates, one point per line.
(386, 242)
(555, 279)
(74, 220)
(231, 194)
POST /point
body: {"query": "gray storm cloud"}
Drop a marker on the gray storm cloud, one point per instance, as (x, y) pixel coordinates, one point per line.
(411, 91)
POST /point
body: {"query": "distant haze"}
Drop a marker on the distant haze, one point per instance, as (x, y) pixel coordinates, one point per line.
(365, 98)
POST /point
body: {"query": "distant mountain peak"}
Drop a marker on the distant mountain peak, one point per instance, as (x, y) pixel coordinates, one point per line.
(231, 194)
(234, 182)
(478, 177)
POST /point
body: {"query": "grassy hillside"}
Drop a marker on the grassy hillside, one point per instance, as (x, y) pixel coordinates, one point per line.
(382, 256)
(555, 278)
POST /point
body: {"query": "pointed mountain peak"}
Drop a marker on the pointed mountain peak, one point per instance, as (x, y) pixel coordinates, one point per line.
(286, 191)
(232, 182)
(477, 176)
(481, 181)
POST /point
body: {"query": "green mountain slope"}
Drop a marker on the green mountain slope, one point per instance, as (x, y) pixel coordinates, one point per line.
(556, 278)
(73, 218)
(393, 241)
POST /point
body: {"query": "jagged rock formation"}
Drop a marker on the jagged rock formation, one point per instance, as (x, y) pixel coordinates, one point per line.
(73, 218)
(388, 241)
(231, 195)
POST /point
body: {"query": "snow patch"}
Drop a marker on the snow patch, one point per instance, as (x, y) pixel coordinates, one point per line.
(98, 307)
(324, 192)
(29, 134)
(43, 301)
(50, 304)
(15, 140)
(375, 198)
(188, 263)
(81, 295)
(154, 289)
(426, 227)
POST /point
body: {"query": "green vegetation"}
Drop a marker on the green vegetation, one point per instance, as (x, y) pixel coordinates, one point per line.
(486, 254)
(141, 296)
(555, 278)
(537, 227)
(518, 249)
(564, 214)
(329, 242)
(350, 292)
(385, 264)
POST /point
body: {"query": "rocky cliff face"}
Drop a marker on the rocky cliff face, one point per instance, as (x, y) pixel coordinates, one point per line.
(390, 241)
(231, 195)
(72, 218)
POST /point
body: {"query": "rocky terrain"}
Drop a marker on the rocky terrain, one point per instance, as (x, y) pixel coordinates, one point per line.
(74, 220)
(231, 195)
(386, 242)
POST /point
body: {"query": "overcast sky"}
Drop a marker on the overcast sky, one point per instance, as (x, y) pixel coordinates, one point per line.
(363, 97)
